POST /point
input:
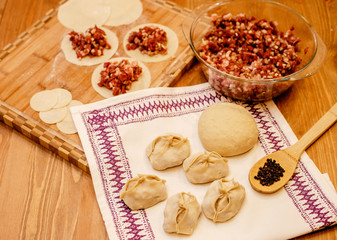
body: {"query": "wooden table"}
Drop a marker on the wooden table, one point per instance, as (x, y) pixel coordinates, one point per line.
(43, 196)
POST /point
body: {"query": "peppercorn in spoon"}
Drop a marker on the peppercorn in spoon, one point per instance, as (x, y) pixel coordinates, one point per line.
(273, 171)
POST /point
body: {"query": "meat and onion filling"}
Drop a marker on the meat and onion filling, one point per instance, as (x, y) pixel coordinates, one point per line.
(250, 48)
(119, 76)
(91, 43)
(149, 40)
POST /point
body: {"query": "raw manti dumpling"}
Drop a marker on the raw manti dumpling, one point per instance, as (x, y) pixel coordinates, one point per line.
(181, 214)
(168, 151)
(223, 200)
(143, 191)
(205, 167)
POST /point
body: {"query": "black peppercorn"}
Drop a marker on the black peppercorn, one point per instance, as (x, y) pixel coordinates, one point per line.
(270, 173)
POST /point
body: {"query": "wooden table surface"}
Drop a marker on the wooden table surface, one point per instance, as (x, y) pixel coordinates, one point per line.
(43, 196)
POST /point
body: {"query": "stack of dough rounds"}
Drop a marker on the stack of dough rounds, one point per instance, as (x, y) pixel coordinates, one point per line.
(58, 111)
(228, 129)
(67, 125)
(53, 107)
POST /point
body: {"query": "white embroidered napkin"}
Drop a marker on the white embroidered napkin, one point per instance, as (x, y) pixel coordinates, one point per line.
(115, 132)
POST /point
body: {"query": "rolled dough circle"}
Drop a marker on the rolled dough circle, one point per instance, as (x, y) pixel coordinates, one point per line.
(63, 97)
(43, 100)
(79, 15)
(228, 129)
(123, 12)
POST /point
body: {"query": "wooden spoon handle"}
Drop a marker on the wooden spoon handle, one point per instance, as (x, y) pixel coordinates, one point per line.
(314, 133)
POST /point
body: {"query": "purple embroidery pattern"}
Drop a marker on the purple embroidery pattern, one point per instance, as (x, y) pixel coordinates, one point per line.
(315, 208)
(113, 165)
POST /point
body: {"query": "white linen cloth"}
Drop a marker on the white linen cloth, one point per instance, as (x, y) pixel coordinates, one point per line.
(115, 132)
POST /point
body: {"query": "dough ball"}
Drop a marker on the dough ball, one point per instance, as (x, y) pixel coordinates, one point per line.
(228, 129)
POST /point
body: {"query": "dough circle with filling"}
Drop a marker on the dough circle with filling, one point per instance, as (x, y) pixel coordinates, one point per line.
(172, 44)
(143, 82)
(228, 129)
(70, 54)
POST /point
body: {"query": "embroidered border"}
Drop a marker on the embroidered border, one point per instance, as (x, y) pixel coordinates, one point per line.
(309, 199)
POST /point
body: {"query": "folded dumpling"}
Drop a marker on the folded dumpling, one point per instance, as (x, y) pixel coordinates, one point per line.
(181, 214)
(143, 191)
(205, 167)
(168, 151)
(223, 200)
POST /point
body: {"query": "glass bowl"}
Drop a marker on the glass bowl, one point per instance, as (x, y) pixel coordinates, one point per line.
(312, 48)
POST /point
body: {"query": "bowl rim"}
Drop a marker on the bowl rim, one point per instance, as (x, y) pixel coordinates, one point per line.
(290, 77)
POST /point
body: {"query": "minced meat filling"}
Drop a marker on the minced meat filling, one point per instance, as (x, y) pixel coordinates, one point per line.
(250, 48)
(149, 40)
(91, 43)
(119, 76)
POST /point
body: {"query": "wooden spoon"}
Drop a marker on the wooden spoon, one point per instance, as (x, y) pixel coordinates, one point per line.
(288, 157)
